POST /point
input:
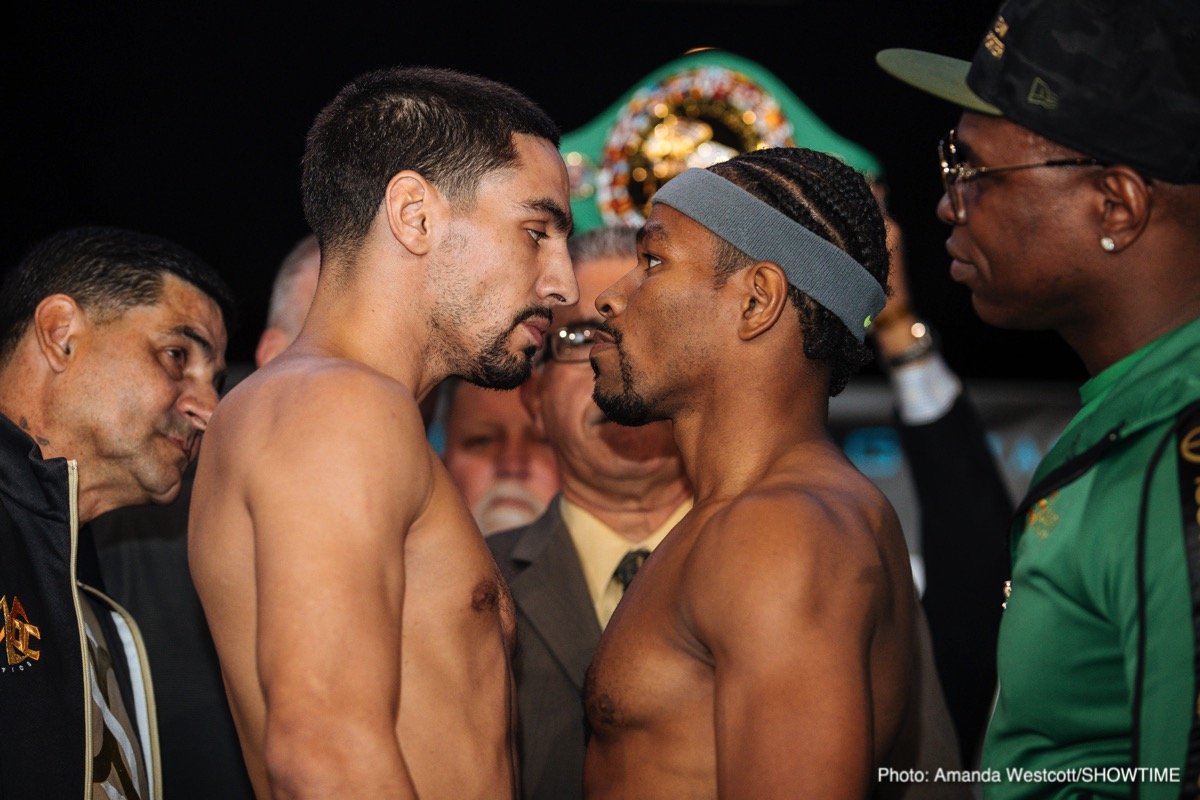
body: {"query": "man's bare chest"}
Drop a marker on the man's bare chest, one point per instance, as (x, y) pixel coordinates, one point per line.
(649, 668)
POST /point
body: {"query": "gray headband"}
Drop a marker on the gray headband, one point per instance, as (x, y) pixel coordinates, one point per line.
(820, 269)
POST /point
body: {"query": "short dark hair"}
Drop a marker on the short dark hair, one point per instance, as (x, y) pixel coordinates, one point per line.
(106, 271)
(833, 201)
(450, 127)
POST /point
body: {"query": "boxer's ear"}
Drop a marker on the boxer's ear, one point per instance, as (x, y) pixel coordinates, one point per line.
(763, 298)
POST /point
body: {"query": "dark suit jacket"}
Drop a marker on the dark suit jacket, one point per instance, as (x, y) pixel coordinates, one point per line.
(557, 632)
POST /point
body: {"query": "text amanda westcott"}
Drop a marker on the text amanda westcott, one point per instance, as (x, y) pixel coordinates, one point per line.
(1018, 775)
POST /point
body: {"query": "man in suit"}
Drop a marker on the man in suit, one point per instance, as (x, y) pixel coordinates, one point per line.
(622, 490)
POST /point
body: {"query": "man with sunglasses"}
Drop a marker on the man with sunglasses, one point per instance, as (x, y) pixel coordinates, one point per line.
(1073, 191)
(622, 490)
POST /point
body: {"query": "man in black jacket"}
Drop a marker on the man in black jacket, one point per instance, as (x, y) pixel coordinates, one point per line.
(111, 353)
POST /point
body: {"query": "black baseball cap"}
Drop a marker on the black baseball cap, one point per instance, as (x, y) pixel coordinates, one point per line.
(1118, 80)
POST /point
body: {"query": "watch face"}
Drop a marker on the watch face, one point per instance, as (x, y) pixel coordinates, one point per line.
(693, 118)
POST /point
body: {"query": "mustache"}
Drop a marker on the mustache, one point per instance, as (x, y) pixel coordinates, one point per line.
(605, 332)
(612, 333)
(531, 312)
(492, 514)
(507, 489)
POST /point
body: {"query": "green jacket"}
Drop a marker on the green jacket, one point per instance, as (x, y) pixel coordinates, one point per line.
(1099, 557)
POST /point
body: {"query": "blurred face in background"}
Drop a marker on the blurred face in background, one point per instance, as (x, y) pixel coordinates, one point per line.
(504, 468)
(593, 451)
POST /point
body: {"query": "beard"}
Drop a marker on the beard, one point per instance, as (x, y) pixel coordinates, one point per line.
(627, 406)
(497, 368)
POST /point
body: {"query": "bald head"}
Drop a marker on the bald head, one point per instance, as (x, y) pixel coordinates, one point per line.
(292, 294)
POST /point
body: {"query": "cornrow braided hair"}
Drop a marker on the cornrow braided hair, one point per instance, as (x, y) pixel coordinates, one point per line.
(833, 201)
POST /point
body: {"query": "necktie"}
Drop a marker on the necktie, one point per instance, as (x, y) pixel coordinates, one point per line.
(629, 567)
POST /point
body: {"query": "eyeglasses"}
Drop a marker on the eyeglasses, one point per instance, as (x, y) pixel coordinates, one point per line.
(955, 173)
(571, 343)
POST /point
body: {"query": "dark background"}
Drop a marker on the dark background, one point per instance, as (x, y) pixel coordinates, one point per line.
(188, 120)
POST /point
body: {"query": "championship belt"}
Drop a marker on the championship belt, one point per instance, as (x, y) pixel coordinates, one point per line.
(703, 108)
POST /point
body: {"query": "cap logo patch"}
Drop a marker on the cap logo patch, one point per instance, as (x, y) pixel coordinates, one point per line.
(1040, 94)
(994, 41)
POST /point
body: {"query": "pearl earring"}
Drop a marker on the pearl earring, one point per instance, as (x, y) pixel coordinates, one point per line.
(1107, 244)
